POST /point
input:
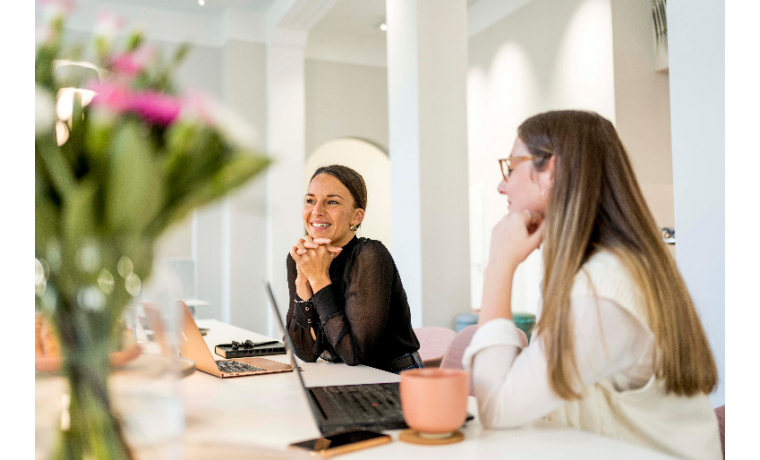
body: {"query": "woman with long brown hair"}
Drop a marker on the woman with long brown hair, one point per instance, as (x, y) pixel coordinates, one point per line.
(618, 349)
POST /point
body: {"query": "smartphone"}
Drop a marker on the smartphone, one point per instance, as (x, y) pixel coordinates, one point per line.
(340, 443)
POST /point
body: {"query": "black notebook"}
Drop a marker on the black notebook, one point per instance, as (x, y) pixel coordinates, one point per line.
(226, 350)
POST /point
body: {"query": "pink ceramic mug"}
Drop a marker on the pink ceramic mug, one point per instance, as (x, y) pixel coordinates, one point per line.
(434, 400)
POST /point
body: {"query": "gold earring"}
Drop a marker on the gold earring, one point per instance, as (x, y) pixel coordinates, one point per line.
(354, 228)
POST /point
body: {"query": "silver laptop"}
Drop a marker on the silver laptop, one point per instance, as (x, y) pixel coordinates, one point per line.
(193, 346)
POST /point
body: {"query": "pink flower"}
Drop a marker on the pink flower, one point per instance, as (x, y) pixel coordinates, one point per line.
(115, 98)
(126, 64)
(153, 107)
(133, 63)
(161, 109)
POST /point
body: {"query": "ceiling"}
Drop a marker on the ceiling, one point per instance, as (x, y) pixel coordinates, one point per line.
(353, 17)
(347, 17)
(211, 7)
(356, 17)
(345, 24)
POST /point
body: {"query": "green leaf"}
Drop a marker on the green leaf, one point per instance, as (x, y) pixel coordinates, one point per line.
(51, 160)
(134, 40)
(179, 54)
(98, 136)
(46, 221)
(134, 190)
(237, 172)
(79, 212)
(241, 168)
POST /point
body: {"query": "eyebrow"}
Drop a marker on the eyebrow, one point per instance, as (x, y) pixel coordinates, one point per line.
(328, 196)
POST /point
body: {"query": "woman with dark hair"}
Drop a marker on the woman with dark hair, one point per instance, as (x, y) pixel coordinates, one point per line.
(619, 349)
(347, 302)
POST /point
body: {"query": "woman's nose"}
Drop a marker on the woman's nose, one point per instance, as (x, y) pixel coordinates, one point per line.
(502, 188)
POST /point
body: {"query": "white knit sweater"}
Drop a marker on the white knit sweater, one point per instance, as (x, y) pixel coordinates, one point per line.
(622, 398)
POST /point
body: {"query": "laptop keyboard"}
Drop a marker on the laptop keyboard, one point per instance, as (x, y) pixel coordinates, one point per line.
(236, 366)
(364, 403)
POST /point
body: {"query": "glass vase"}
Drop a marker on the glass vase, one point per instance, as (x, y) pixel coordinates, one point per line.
(107, 396)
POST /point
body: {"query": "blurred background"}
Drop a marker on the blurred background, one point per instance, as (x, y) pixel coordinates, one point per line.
(422, 97)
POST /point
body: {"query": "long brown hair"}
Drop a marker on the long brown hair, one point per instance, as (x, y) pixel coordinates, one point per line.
(595, 203)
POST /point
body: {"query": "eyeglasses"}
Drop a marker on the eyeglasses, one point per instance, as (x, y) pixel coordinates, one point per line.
(507, 165)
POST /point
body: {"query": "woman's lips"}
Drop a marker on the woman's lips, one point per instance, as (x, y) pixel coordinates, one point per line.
(320, 227)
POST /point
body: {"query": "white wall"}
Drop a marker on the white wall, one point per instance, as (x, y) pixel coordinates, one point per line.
(642, 105)
(325, 45)
(345, 100)
(546, 55)
(696, 33)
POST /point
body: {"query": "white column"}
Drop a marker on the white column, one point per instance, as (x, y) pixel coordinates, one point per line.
(244, 88)
(289, 24)
(696, 35)
(427, 68)
(286, 136)
(211, 256)
(229, 238)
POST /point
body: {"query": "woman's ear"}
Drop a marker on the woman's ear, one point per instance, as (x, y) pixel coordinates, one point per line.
(358, 217)
(546, 177)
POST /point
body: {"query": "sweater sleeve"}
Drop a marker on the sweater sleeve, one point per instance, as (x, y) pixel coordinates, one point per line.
(300, 318)
(512, 385)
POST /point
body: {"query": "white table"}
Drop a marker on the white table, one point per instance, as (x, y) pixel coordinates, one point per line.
(262, 414)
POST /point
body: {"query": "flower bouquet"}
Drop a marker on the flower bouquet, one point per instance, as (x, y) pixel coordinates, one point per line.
(120, 155)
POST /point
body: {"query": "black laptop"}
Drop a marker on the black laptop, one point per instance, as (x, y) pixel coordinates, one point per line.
(375, 406)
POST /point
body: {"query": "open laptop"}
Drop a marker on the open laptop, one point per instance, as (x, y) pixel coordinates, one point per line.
(375, 406)
(193, 346)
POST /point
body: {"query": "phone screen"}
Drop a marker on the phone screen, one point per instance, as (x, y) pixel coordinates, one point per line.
(338, 440)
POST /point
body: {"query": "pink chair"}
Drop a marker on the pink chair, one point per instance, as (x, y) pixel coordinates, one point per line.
(720, 412)
(434, 341)
(452, 359)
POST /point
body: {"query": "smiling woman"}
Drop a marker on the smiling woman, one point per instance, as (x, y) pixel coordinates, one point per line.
(332, 210)
(347, 302)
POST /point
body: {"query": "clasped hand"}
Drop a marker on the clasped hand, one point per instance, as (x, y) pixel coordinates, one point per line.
(313, 258)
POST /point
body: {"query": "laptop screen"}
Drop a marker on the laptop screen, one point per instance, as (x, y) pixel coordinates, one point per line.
(289, 344)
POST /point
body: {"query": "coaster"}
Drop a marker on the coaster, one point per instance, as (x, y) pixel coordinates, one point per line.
(413, 437)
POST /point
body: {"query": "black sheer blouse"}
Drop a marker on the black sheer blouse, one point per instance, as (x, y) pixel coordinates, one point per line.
(363, 317)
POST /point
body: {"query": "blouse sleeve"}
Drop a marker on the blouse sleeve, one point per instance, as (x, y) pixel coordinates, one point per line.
(354, 329)
(301, 315)
(512, 385)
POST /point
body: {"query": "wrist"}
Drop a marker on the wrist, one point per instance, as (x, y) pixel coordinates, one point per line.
(304, 292)
(499, 271)
(319, 282)
(497, 293)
